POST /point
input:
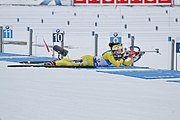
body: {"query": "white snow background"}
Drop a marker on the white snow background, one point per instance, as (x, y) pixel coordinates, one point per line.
(84, 94)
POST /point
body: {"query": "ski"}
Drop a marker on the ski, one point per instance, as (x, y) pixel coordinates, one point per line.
(33, 62)
(47, 66)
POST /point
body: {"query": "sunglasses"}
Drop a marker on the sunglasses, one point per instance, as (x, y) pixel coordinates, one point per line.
(117, 47)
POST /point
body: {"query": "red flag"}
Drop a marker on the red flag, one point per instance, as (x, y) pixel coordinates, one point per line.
(46, 46)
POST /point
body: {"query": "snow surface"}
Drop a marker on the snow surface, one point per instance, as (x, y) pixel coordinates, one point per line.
(84, 94)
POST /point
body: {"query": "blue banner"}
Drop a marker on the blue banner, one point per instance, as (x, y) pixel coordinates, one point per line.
(7, 33)
(177, 47)
(115, 39)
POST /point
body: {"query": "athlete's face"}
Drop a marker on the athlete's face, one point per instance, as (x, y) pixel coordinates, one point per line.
(117, 49)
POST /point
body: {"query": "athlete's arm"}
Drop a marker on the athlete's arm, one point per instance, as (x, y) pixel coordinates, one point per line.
(109, 56)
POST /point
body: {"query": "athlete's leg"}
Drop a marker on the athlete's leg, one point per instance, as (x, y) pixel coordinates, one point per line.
(88, 60)
(66, 62)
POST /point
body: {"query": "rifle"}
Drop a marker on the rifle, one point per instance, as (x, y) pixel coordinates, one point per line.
(137, 52)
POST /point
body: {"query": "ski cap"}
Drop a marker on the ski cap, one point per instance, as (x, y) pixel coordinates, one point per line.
(115, 46)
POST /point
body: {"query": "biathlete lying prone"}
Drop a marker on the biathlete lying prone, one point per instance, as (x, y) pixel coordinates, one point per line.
(116, 56)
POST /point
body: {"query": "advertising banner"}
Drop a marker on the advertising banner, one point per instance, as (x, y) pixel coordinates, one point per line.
(123, 2)
(88, 2)
(136, 1)
(150, 1)
(107, 1)
(164, 1)
(93, 1)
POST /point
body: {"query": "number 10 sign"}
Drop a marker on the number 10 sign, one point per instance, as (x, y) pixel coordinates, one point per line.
(58, 36)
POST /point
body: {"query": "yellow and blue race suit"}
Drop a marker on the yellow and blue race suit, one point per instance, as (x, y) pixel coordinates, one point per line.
(106, 59)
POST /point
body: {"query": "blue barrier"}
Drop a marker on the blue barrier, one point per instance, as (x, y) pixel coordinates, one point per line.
(146, 74)
(123, 67)
(19, 58)
(176, 81)
(11, 54)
